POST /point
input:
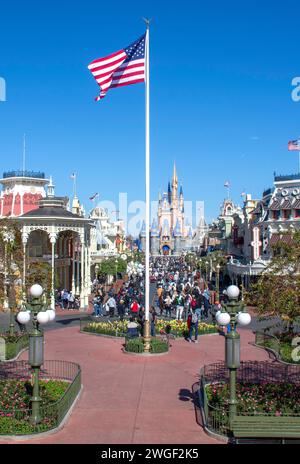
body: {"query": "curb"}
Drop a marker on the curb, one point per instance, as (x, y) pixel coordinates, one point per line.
(145, 355)
(102, 335)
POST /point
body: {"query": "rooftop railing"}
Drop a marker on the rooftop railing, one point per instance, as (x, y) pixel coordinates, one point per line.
(34, 174)
(288, 177)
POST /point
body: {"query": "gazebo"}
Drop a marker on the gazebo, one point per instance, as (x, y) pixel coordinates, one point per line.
(51, 233)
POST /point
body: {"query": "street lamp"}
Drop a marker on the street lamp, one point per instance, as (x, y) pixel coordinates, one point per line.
(218, 281)
(40, 315)
(116, 263)
(233, 313)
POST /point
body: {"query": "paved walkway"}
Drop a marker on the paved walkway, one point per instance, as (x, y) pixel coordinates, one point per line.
(130, 399)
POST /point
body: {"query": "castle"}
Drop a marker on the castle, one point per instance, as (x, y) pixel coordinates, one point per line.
(170, 234)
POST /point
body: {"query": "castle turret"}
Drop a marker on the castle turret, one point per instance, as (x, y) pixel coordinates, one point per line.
(181, 200)
(174, 188)
(177, 239)
(143, 236)
(154, 238)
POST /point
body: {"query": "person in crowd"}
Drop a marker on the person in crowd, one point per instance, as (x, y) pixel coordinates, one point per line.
(168, 304)
(194, 320)
(179, 306)
(71, 301)
(111, 303)
(141, 319)
(132, 328)
(153, 317)
(134, 308)
(121, 309)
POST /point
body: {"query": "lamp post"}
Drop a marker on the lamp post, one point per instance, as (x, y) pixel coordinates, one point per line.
(97, 270)
(116, 263)
(40, 315)
(233, 313)
(218, 282)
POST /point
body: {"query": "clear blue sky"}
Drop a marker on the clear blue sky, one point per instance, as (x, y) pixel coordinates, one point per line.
(221, 102)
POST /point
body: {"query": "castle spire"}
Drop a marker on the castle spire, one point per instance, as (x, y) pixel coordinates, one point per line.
(175, 178)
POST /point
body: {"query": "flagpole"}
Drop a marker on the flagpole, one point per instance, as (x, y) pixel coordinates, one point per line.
(147, 183)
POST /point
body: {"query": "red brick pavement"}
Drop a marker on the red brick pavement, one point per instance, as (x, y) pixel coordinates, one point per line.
(130, 399)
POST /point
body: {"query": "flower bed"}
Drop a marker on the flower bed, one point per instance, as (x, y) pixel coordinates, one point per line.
(15, 404)
(119, 328)
(136, 345)
(282, 398)
(113, 329)
(180, 328)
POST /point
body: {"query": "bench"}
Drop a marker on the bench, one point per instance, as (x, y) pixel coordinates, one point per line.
(266, 427)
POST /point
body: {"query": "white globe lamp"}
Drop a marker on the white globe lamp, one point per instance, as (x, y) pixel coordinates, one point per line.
(51, 314)
(23, 317)
(218, 314)
(243, 319)
(223, 319)
(36, 290)
(42, 317)
(233, 292)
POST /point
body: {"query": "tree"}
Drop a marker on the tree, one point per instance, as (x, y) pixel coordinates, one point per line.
(113, 266)
(11, 262)
(277, 292)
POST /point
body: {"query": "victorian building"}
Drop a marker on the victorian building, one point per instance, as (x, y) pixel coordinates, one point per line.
(273, 218)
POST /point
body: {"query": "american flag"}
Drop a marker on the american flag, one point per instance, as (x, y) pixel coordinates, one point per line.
(124, 67)
(294, 145)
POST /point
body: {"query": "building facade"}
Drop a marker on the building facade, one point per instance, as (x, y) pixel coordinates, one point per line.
(265, 222)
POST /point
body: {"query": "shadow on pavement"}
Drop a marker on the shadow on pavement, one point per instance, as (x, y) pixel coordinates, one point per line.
(67, 321)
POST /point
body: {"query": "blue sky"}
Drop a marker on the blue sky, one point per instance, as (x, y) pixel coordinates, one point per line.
(221, 103)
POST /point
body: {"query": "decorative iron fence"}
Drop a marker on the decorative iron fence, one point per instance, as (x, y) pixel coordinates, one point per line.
(216, 419)
(269, 342)
(16, 421)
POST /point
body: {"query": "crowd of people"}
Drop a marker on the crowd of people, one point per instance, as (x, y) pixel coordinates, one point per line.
(67, 299)
(178, 292)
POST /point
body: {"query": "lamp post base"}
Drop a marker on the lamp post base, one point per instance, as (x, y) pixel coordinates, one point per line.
(147, 337)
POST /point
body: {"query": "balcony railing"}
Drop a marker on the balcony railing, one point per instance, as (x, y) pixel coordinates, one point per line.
(34, 174)
(289, 177)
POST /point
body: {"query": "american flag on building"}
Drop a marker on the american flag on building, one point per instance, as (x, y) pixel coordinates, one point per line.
(294, 145)
(123, 67)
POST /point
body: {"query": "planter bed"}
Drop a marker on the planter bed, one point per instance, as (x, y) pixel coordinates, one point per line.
(268, 401)
(13, 345)
(136, 346)
(60, 384)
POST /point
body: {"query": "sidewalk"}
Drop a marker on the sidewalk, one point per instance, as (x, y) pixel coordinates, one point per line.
(129, 399)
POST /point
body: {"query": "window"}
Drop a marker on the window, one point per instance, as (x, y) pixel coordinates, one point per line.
(287, 213)
(276, 215)
(297, 213)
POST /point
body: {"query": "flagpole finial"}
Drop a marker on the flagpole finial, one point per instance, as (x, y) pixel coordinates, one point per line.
(147, 21)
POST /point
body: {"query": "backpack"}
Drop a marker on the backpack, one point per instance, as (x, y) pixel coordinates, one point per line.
(194, 318)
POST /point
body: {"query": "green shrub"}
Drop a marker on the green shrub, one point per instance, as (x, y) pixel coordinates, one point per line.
(158, 346)
(134, 345)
